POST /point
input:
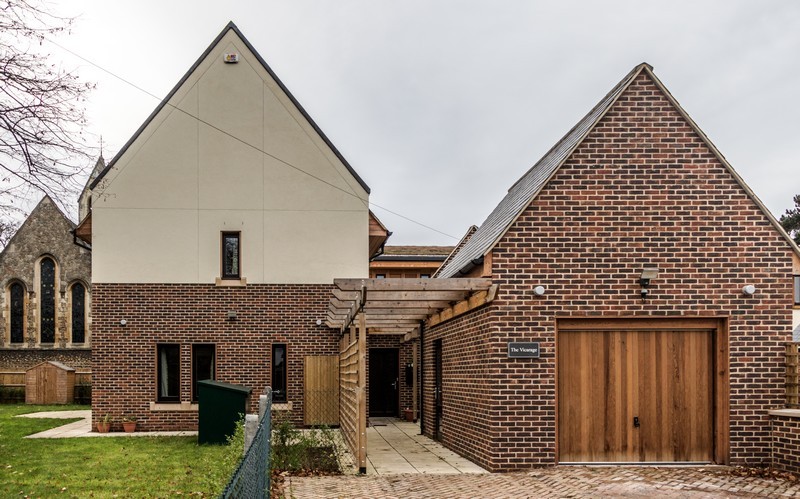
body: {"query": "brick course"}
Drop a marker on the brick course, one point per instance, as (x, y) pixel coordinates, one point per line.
(642, 189)
(124, 357)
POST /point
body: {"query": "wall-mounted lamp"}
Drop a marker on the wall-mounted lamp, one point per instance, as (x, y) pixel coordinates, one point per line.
(539, 290)
(319, 322)
(231, 315)
(644, 280)
(749, 290)
(122, 322)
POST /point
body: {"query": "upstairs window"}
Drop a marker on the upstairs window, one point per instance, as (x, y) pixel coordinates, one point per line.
(47, 297)
(279, 372)
(231, 254)
(78, 299)
(203, 360)
(17, 312)
(169, 372)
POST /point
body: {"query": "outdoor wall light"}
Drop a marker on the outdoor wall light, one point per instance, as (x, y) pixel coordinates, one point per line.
(319, 322)
(644, 280)
(231, 315)
(539, 290)
(123, 322)
(749, 290)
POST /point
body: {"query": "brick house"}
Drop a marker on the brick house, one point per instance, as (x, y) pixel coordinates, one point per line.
(217, 231)
(46, 297)
(627, 256)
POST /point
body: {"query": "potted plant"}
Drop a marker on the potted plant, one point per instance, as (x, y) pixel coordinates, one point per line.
(104, 423)
(129, 423)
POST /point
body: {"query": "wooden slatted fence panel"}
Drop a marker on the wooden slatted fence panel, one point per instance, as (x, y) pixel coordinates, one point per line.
(348, 393)
(321, 388)
(12, 379)
(792, 400)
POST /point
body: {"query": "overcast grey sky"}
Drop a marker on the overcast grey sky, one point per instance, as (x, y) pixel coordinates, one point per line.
(441, 105)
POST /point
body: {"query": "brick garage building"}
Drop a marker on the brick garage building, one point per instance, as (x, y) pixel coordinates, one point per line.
(683, 373)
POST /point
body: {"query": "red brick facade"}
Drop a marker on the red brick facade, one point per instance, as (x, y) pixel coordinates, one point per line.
(124, 357)
(642, 189)
(786, 440)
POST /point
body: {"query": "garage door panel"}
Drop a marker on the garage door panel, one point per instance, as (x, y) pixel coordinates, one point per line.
(661, 377)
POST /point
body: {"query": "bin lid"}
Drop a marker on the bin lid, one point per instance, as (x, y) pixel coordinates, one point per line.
(225, 386)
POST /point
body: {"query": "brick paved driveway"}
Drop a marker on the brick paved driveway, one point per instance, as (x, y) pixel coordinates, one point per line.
(564, 481)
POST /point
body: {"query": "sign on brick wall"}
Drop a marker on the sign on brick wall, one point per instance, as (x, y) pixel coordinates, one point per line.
(523, 350)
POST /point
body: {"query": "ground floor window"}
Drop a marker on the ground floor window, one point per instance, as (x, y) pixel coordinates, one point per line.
(797, 290)
(203, 366)
(279, 372)
(169, 372)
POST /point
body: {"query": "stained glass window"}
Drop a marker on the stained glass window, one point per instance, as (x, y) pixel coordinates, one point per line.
(47, 295)
(78, 313)
(17, 293)
(230, 255)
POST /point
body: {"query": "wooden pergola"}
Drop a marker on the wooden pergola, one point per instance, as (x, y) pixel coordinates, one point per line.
(389, 307)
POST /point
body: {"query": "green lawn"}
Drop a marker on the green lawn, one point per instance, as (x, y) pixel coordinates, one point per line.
(104, 467)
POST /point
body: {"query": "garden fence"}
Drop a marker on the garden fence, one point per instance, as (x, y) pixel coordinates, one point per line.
(252, 477)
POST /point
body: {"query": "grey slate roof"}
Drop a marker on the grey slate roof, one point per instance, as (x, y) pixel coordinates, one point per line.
(522, 193)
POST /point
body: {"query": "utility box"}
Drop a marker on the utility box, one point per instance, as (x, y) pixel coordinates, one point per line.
(50, 382)
(222, 405)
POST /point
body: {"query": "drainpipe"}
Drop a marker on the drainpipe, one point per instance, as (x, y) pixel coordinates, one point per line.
(421, 401)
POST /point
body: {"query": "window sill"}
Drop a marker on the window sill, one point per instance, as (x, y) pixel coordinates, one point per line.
(173, 407)
(282, 406)
(231, 282)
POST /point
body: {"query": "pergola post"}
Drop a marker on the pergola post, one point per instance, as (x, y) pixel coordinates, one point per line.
(362, 393)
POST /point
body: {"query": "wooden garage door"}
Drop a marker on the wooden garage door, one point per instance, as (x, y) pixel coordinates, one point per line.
(635, 396)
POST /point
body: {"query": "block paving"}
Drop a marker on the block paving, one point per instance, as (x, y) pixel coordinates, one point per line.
(559, 481)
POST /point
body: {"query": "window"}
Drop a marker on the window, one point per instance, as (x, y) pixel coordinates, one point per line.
(203, 360)
(17, 325)
(380, 276)
(797, 290)
(424, 276)
(47, 295)
(279, 372)
(78, 298)
(230, 255)
(169, 372)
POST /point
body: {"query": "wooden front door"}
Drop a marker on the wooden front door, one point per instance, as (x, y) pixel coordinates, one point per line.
(384, 380)
(630, 396)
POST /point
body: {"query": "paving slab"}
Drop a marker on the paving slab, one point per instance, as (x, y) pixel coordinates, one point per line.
(83, 428)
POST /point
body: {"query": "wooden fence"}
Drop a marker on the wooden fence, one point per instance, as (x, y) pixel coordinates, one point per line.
(352, 394)
(792, 400)
(321, 390)
(17, 378)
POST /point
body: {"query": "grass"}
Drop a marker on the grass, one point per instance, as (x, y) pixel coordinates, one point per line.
(105, 467)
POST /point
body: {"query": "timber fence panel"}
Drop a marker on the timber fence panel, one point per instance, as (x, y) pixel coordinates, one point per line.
(792, 400)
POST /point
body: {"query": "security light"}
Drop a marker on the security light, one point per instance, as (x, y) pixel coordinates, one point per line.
(644, 280)
(749, 290)
(231, 315)
(538, 290)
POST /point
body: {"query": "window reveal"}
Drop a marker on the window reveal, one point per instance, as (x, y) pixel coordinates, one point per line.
(47, 295)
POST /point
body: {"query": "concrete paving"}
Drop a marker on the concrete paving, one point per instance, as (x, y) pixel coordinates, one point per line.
(83, 428)
(396, 447)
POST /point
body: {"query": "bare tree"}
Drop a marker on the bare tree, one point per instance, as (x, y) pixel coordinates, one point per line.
(42, 116)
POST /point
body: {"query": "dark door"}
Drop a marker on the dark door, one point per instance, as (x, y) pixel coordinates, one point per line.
(384, 377)
(437, 389)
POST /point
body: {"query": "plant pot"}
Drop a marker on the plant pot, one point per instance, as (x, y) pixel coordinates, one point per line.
(408, 415)
(129, 426)
(103, 427)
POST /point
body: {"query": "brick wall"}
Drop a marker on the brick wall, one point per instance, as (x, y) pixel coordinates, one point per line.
(124, 356)
(641, 190)
(786, 440)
